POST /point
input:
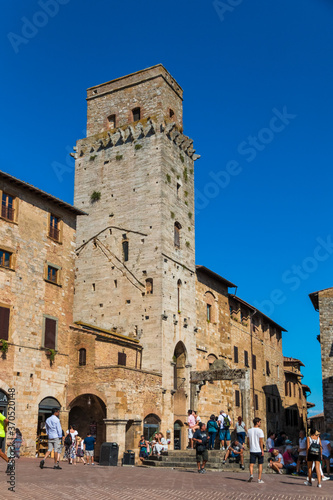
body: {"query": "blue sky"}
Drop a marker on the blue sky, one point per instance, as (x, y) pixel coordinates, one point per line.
(263, 184)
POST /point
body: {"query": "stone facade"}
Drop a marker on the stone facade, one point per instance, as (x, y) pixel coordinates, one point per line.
(323, 302)
(295, 403)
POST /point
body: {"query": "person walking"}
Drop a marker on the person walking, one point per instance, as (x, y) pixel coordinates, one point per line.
(3, 428)
(54, 434)
(301, 452)
(326, 451)
(79, 450)
(201, 437)
(313, 455)
(256, 444)
(212, 429)
(70, 444)
(17, 442)
(240, 430)
(225, 423)
(191, 424)
(89, 443)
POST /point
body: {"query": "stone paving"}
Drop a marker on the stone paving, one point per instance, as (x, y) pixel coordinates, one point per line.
(140, 483)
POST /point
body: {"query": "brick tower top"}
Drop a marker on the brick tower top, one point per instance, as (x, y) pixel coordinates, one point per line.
(151, 92)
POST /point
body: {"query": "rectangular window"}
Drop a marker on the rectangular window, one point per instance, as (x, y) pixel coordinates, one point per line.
(52, 274)
(235, 354)
(294, 390)
(268, 371)
(6, 259)
(237, 398)
(121, 358)
(286, 388)
(246, 358)
(254, 361)
(4, 322)
(136, 114)
(50, 332)
(208, 312)
(7, 206)
(256, 402)
(125, 251)
(54, 229)
(177, 234)
(299, 394)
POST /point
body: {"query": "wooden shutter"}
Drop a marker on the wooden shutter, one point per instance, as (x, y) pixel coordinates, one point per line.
(254, 361)
(235, 354)
(50, 333)
(256, 402)
(4, 322)
(268, 371)
(121, 358)
(246, 358)
(237, 399)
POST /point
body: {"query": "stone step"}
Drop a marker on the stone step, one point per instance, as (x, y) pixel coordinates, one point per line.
(209, 466)
(192, 459)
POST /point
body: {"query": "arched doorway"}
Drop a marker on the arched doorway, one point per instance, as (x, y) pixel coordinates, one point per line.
(177, 435)
(3, 410)
(87, 413)
(151, 424)
(45, 411)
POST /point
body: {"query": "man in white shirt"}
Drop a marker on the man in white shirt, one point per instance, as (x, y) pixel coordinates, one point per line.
(54, 434)
(256, 444)
(225, 422)
(301, 451)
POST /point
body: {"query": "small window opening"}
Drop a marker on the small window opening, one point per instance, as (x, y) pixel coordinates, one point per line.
(149, 286)
(122, 358)
(136, 114)
(178, 189)
(179, 296)
(82, 357)
(171, 113)
(177, 229)
(52, 274)
(112, 121)
(209, 312)
(125, 250)
(237, 398)
(115, 283)
(93, 287)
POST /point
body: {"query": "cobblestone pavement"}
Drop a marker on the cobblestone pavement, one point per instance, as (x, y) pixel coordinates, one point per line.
(139, 483)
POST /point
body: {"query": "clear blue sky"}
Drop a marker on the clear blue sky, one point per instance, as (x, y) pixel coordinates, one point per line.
(239, 69)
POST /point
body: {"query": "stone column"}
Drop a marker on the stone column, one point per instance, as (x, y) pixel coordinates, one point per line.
(116, 433)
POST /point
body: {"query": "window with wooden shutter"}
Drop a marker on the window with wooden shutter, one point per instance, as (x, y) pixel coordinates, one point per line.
(246, 358)
(256, 402)
(50, 333)
(82, 357)
(235, 354)
(4, 322)
(254, 361)
(121, 358)
(237, 398)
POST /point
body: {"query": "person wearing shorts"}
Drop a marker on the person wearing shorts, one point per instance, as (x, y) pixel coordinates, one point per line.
(201, 437)
(191, 424)
(54, 434)
(89, 443)
(256, 444)
(3, 426)
(236, 451)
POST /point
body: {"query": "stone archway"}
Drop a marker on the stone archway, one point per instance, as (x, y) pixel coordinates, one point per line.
(87, 413)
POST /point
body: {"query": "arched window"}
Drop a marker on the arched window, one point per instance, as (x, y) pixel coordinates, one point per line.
(179, 357)
(171, 113)
(179, 296)
(136, 112)
(125, 250)
(177, 229)
(149, 286)
(210, 307)
(82, 357)
(112, 121)
(211, 358)
(151, 424)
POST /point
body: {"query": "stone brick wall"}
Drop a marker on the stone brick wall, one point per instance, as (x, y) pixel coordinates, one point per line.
(326, 341)
(26, 366)
(295, 404)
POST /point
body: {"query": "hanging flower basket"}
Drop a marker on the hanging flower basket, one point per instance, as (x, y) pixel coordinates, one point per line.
(3, 345)
(51, 353)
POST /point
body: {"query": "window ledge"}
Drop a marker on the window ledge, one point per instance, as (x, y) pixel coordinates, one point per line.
(53, 239)
(8, 220)
(52, 283)
(8, 268)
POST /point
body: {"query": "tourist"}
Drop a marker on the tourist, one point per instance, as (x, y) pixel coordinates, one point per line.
(89, 443)
(276, 463)
(16, 443)
(201, 437)
(326, 451)
(70, 444)
(289, 460)
(161, 443)
(270, 442)
(313, 455)
(301, 452)
(212, 429)
(191, 424)
(225, 423)
(256, 444)
(281, 439)
(144, 447)
(79, 450)
(240, 430)
(3, 427)
(235, 450)
(54, 435)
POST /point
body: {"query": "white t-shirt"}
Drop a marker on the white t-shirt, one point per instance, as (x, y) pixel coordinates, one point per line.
(325, 444)
(302, 444)
(73, 434)
(221, 419)
(254, 434)
(269, 444)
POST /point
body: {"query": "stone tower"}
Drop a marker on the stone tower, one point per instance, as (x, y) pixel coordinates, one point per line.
(134, 177)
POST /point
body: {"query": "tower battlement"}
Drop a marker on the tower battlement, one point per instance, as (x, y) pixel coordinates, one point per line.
(149, 92)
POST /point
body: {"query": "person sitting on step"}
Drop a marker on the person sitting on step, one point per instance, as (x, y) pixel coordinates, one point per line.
(235, 450)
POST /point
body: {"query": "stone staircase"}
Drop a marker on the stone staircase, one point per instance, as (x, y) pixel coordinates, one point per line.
(185, 459)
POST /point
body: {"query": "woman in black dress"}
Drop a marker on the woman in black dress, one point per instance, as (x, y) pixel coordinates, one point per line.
(313, 454)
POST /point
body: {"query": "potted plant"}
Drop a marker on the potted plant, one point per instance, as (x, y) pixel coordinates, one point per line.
(3, 346)
(51, 353)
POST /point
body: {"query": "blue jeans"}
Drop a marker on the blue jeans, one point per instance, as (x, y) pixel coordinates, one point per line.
(224, 435)
(241, 437)
(212, 436)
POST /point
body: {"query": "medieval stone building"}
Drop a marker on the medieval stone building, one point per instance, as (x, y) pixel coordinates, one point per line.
(145, 334)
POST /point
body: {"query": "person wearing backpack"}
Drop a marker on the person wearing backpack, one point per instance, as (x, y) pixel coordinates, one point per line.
(212, 429)
(225, 423)
(313, 455)
(70, 444)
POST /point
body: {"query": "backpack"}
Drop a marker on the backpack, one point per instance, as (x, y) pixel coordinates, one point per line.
(314, 448)
(68, 440)
(226, 421)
